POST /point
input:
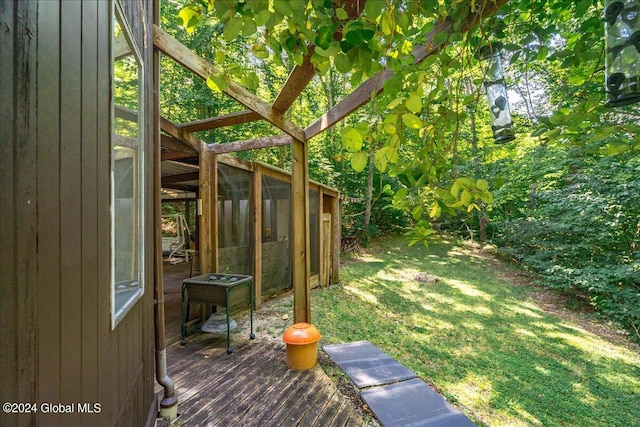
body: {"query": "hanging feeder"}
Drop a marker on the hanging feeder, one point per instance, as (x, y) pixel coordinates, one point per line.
(496, 91)
(622, 44)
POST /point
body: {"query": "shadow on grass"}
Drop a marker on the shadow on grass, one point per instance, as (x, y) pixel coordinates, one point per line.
(480, 340)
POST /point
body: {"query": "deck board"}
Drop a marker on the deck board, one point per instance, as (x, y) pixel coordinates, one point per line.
(250, 387)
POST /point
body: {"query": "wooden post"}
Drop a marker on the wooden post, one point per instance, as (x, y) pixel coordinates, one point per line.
(208, 192)
(322, 273)
(336, 237)
(300, 230)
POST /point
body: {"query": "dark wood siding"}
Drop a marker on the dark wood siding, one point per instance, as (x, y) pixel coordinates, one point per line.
(18, 206)
(57, 345)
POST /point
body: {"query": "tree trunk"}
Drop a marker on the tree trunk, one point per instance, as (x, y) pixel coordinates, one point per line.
(369, 200)
(482, 218)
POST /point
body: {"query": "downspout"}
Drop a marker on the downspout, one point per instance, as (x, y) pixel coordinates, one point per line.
(169, 402)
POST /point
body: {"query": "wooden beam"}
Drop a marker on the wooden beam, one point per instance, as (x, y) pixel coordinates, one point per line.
(298, 79)
(202, 68)
(301, 75)
(250, 144)
(180, 177)
(374, 85)
(174, 144)
(178, 134)
(174, 155)
(221, 121)
(180, 187)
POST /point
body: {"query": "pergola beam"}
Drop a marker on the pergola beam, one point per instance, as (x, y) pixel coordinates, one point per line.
(221, 121)
(180, 177)
(174, 155)
(298, 79)
(178, 134)
(296, 82)
(203, 69)
(250, 144)
(174, 144)
(373, 86)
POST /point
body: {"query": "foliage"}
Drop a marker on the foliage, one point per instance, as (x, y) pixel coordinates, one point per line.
(560, 198)
(580, 231)
(479, 338)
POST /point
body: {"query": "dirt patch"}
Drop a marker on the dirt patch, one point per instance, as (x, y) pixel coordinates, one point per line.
(347, 388)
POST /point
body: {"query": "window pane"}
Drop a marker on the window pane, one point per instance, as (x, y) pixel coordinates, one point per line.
(126, 173)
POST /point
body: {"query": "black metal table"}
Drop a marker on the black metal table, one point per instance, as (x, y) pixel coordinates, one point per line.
(216, 289)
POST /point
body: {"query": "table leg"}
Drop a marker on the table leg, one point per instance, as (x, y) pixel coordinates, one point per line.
(251, 335)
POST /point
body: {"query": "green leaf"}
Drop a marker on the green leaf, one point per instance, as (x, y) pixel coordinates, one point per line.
(324, 37)
(482, 184)
(386, 23)
(542, 53)
(466, 198)
(389, 128)
(321, 63)
(445, 195)
(539, 131)
(217, 82)
(359, 160)
(373, 8)
(260, 51)
(455, 189)
(332, 50)
(486, 197)
(417, 212)
(380, 159)
(436, 210)
(262, 17)
(412, 121)
(220, 57)
(351, 139)
(190, 17)
(342, 14)
(342, 62)
(232, 28)
(355, 37)
(282, 7)
(251, 81)
(414, 103)
(393, 104)
(473, 206)
(466, 182)
(577, 79)
(249, 28)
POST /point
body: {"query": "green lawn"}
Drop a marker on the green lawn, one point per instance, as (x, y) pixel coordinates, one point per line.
(480, 339)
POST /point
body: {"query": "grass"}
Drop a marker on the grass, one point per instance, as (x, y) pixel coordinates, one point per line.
(480, 339)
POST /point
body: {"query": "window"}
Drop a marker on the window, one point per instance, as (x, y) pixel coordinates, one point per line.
(127, 171)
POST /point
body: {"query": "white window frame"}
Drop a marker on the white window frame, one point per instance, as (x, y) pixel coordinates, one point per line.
(120, 310)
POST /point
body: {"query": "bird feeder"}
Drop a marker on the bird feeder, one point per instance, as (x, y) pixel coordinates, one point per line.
(622, 43)
(496, 91)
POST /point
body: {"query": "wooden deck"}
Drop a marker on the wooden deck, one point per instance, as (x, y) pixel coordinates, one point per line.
(251, 387)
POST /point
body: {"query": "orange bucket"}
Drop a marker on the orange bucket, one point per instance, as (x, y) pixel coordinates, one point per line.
(302, 346)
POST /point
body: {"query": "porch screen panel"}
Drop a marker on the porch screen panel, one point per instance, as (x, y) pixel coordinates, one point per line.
(276, 235)
(234, 220)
